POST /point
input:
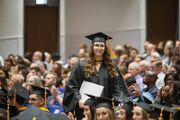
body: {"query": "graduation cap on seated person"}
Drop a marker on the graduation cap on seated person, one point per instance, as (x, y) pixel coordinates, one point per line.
(9, 110)
(98, 37)
(42, 92)
(146, 107)
(104, 102)
(34, 113)
(19, 93)
(89, 102)
(128, 107)
(164, 112)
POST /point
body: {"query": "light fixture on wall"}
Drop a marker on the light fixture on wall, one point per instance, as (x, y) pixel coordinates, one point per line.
(41, 2)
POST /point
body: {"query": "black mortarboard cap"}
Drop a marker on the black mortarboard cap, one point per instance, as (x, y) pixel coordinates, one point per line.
(164, 111)
(52, 116)
(20, 91)
(89, 102)
(98, 37)
(104, 102)
(32, 113)
(13, 111)
(145, 106)
(40, 91)
(148, 108)
(128, 107)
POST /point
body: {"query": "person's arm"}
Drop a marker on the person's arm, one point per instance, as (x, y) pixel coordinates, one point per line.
(56, 96)
(120, 89)
(72, 96)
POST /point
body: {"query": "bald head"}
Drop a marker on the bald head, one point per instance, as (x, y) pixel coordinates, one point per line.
(37, 56)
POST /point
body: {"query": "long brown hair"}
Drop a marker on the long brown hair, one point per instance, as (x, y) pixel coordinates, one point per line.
(90, 67)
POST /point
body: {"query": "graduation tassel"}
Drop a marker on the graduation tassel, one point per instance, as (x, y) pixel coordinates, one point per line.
(113, 106)
(113, 55)
(161, 114)
(34, 118)
(153, 105)
(15, 97)
(45, 94)
(8, 114)
(170, 116)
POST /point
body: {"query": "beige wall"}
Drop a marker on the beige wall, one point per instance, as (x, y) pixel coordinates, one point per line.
(124, 20)
(11, 27)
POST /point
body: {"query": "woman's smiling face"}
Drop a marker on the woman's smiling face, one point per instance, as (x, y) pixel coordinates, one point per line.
(99, 48)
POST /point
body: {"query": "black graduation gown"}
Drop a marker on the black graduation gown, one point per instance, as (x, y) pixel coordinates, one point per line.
(3, 95)
(113, 87)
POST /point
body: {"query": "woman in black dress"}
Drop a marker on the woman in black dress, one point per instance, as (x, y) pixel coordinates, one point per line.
(98, 69)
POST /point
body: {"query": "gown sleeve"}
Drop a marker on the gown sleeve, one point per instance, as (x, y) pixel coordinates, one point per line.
(72, 95)
(120, 89)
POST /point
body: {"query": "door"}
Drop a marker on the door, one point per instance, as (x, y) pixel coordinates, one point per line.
(41, 28)
(162, 20)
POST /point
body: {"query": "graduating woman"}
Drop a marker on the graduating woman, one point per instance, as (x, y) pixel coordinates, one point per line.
(98, 69)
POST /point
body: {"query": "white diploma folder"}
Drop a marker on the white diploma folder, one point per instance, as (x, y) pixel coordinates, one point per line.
(90, 89)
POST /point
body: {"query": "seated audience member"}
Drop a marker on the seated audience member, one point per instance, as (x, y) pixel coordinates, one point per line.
(38, 97)
(48, 60)
(57, 69)
(150, 80)
(164, 97)
(8, 64)
(15, 78)
(88, 110)
(140, 112)
(143, 67)
(18, 96)
(169, 79)
(133, 89)
(37, 56)
(50, 80)
(156, 66)
(133, 71)
(124, 111)
(54, 102)
(104, 108)
(133, 53)
(33, 80)
(35, 70)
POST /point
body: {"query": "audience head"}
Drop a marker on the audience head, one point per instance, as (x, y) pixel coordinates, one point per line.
(37, 56)
(150, 78)
(139, 113)
(133, 69)
(156, 66)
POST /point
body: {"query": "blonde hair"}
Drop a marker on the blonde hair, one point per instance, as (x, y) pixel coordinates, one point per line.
(111, 114)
